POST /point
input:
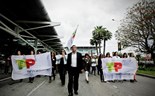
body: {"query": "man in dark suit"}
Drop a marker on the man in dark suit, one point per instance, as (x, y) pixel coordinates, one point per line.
(74, 67)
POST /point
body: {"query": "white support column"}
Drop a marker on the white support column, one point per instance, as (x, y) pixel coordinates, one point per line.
(36, 44)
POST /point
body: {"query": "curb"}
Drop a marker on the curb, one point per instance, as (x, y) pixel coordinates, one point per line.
(4, 79)
(146, 75)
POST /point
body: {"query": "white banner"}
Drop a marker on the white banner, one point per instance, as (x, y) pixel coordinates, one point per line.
(119, 68)
(26, 66)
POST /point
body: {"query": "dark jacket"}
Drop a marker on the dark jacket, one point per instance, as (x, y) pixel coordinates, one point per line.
(61, 66)
(87, 64)
(53, 62)
(99, 64)
(79, 61)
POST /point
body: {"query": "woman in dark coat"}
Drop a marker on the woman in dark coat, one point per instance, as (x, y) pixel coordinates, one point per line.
(62, 67)
(100, 68)
(53, 59)
(87, 65)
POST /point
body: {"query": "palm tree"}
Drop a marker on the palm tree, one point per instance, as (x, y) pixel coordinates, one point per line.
(106, 35)
(100, 34)
(97, 36)
(94, 42)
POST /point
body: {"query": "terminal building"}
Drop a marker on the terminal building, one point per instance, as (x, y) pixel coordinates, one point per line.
(25, 26)
(91, 50)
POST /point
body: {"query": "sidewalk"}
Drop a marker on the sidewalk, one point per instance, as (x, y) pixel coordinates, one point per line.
(2, 75)
(145, 75)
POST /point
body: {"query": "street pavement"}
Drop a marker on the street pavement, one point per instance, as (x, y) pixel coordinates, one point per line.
(144, 87)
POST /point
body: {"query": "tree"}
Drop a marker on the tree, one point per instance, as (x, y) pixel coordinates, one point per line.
(138, 28)
(106, 35)
(97, 36)
(100, 34)
(94, 42)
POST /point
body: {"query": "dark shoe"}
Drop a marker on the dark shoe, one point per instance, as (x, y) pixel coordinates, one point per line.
(135, 80)
(63, 84)
(87, 81)
(30, 81)
(54, 78)
(38, 76)
(132, 81)
(50, 81)
(76, 93)
(21, 80)
(70, 94)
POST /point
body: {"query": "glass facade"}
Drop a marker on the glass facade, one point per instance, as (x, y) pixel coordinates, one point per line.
(90, 50)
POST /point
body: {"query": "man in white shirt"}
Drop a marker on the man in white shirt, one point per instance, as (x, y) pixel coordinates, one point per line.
(74, 60)
(74, 67)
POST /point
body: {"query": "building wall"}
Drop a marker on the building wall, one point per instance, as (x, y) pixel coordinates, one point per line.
(89, 50)
(82, 49)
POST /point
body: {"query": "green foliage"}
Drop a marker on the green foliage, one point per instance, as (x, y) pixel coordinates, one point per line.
(146, 72)
(99, 33)
(138, 27)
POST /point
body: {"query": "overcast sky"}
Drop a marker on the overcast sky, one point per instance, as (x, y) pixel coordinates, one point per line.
(88, 14)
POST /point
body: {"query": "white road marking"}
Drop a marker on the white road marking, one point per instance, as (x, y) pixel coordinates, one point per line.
(29, 94)
(114, 86)
(5, 79)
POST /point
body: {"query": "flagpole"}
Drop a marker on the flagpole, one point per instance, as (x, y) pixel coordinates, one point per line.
(70, 41)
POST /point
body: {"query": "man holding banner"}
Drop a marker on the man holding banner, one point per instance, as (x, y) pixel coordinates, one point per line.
(25, 66)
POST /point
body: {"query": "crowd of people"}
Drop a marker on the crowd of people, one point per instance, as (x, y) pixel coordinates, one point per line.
(93, 63)
(74, 64)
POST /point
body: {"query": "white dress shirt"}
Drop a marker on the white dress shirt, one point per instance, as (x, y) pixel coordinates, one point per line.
(74, 60)
(93, 62)
(65, 59)
(58, 57)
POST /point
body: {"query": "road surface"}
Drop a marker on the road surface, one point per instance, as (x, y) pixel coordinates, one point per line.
(144, 87)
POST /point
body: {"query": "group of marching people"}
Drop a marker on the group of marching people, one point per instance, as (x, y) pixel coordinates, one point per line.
(91, 65)
(93, 62)
(59, 67)
(31, 79)
(59, 63)
(74, 64)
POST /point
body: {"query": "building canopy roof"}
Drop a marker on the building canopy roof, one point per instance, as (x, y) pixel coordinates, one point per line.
(31, 20)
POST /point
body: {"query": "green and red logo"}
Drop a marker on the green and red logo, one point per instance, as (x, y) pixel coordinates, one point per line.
(114, 66)
(25, 63)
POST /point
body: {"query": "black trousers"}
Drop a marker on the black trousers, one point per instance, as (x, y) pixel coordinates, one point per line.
(73, 74)
(53, 74)
(93, 70)
(31, 79)
(62, 74)
(101, 74)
